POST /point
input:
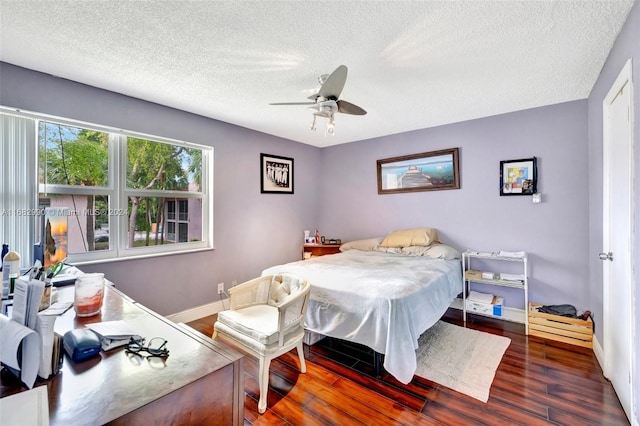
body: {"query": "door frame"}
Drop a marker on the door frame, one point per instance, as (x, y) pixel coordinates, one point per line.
(608, 320)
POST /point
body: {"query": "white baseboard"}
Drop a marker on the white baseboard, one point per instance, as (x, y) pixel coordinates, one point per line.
(198, 312)
(599, 352)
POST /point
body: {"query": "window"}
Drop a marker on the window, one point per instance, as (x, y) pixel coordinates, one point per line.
(105, 194)
(75, 193)
(164, 186)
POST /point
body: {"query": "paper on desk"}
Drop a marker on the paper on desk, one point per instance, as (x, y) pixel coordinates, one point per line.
(26, 408)
(113, 329)
(44, 328)
(113, 334)
(26, 301)
(57, 308)
(12, 334)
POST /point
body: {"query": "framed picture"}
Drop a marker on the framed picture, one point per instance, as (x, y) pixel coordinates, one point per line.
(427, 171)
(518, 177)
(276, 174)
(56, 231)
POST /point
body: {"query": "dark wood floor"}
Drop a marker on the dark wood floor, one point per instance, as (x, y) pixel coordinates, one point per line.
(538, 382)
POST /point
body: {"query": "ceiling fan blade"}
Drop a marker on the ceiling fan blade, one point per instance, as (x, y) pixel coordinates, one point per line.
(349, 108)
(292, 103)
(334, 84)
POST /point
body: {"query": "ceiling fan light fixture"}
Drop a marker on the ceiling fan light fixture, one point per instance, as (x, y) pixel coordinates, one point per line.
(331, 126)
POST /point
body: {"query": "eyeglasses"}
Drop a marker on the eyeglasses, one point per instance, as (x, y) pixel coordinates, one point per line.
(155, 347)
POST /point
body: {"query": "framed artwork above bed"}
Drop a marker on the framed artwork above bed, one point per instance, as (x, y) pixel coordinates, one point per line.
(427, 171)
(518, 177)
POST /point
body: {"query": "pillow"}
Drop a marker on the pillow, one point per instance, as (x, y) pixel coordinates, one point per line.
(434, 251)
(411, 237)
(415, 250)
(365, 245)
(394, 250)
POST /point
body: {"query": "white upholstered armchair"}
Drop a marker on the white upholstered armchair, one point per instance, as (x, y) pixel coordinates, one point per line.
(266, 320)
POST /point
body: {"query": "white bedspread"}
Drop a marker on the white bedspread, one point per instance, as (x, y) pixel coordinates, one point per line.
(382, 300)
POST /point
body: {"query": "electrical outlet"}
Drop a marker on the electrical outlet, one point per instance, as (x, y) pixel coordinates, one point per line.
(234, 283)
(220, 288)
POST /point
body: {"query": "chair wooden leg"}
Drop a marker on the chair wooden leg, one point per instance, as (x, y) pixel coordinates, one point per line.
(303, 366)
(263, 381)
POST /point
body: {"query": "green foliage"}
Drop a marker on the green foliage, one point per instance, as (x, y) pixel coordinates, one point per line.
(102, 205)
(80, 157)
(155, 165)
(195, 165)
(73, 156)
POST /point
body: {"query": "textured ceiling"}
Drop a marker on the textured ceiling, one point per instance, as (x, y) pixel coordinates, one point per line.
(412, 65)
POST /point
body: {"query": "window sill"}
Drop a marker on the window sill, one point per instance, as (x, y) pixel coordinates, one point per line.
(141, 256)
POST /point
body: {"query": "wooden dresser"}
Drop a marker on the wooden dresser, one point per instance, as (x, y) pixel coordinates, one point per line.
(200, 382)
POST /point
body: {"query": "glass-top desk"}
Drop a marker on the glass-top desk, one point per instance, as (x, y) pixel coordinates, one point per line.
(201, 382)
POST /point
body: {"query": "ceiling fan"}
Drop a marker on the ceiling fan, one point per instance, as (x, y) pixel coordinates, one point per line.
(326, 101)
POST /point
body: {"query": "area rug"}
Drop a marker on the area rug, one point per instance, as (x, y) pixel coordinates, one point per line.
(461, 359)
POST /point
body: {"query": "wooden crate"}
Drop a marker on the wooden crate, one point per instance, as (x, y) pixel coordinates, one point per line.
(562, 329)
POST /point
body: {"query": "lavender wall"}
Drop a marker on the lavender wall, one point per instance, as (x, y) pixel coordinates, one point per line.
(476, 217)
(627, 46)
(251, 230)
(336, 189)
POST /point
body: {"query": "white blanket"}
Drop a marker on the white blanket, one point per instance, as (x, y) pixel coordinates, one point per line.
(382, 300)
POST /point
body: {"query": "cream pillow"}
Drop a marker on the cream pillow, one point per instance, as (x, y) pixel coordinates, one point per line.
(415, 250)
(368, 244)
(434, 251)
(411, 237)
(394, 250)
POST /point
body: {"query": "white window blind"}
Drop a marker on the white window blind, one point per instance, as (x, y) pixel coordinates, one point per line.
(18, 184)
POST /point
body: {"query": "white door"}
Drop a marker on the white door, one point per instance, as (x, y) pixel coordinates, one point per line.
(617, 219)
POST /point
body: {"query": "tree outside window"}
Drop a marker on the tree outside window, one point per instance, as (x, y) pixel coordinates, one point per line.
(162, 185)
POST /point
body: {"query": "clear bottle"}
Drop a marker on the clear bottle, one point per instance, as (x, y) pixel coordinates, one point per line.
(5, 250)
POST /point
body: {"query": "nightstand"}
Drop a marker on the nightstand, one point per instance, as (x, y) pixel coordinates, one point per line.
(319, 250)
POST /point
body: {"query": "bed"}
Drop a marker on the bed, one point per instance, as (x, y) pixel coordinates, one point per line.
(380, 296)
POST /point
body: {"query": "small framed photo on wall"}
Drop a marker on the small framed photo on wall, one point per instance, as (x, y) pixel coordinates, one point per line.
(518, 177)
(276, 174)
